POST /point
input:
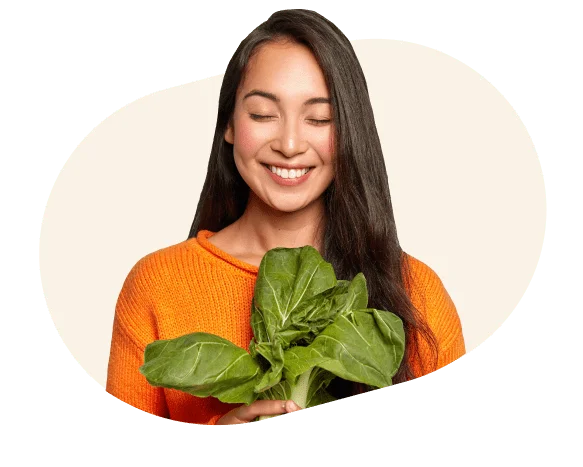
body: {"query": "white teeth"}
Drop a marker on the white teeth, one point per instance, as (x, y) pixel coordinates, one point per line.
(285, 173)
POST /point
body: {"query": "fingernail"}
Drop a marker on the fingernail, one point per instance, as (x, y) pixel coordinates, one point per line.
(293, 407)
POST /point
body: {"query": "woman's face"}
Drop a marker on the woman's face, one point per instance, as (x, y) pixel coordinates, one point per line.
(283, 120)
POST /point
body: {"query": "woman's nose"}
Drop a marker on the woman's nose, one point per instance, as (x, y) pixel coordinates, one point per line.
(290, 140)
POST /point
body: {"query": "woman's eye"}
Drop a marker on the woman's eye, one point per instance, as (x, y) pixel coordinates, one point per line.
(314, 121)
(259, 117)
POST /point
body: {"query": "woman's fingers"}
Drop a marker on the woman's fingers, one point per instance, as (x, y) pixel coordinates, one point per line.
(291, 406)
(266, 407)
(245, 414)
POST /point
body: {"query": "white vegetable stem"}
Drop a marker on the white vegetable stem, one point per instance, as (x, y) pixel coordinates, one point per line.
(299, 392)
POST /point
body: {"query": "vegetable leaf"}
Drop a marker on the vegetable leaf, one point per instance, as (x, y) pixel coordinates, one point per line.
(203, 365)
(354, 348)
(287, 278)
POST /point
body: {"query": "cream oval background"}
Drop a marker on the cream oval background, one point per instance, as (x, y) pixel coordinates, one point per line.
(467, 189)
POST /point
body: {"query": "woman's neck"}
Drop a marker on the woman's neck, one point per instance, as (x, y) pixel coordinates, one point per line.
(262, 228)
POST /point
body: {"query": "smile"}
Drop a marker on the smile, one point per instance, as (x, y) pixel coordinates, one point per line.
(288, 173)
(284, 177)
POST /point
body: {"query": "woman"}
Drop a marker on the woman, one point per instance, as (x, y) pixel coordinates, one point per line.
(296, 160)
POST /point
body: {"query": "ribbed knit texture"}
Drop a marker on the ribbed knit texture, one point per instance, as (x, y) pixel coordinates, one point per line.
(194, 286)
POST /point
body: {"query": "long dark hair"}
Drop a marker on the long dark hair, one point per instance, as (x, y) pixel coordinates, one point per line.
(360, 233)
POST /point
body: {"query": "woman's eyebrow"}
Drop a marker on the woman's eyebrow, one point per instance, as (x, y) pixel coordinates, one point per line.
(274, 98)
(318, 100)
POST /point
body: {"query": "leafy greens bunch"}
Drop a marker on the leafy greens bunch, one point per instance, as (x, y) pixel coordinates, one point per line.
(308, 327)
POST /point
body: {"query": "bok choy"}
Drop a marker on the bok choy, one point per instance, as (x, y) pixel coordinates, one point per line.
(308, 328)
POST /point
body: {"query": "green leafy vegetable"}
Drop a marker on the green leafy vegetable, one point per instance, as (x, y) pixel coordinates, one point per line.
(308, 329)
(203, 365)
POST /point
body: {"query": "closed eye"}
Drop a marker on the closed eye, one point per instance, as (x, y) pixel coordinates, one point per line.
(312, 120)
(259, 117)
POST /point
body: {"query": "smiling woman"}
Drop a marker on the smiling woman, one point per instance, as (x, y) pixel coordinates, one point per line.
(296, 160)
(282, 132)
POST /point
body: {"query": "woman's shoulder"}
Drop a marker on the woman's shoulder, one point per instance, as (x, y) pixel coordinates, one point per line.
(430, 297)
(159, 263)
(422, 282)
(419, 277)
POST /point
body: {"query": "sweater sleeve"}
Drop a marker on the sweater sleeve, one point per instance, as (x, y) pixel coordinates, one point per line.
(452, 345)
(432, 299)
(134, 327)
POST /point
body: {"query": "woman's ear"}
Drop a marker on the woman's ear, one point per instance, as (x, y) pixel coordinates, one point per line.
(229, 134)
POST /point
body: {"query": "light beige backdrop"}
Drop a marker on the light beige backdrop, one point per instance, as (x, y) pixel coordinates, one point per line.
(467, 189)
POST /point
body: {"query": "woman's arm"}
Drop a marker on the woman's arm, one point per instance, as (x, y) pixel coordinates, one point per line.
(448, 326)
(431, 298)
(133, 328)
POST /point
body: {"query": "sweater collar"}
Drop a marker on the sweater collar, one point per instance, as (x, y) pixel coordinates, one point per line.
(202, 238)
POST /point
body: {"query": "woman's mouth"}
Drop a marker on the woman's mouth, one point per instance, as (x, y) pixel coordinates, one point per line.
(287, 177)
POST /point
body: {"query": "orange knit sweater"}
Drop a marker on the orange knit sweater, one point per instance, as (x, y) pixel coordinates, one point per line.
(194, 286)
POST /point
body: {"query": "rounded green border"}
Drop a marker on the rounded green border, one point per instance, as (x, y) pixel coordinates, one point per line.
(308, 412)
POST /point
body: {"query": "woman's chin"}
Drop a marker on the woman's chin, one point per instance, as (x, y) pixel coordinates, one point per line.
(287, 209)
(286, 206)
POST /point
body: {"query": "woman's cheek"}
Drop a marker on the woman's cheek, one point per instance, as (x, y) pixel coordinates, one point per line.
(324, 146)
(248, 139)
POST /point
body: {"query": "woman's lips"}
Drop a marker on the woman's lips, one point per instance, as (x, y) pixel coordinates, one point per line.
(287, 181)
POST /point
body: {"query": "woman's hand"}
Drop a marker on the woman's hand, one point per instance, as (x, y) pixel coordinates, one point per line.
(247, 413)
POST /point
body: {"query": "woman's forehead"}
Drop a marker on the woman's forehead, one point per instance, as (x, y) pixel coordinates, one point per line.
(288, 71)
